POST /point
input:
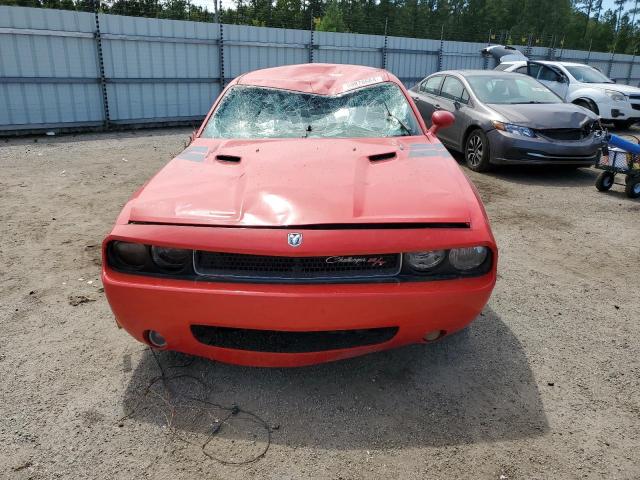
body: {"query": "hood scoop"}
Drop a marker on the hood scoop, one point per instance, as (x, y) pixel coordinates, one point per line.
(228, 158)
(378, 157)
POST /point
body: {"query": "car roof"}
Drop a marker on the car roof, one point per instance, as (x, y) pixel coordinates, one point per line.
(317, 78)
(547, 62)
(478, 73)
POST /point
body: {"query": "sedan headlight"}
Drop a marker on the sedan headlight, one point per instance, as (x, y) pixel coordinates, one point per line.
(466, 259)
(130, 255)
(447, 264)
(615, 95)
(170, 258)
(423, 261)
(515, 129)
(149, 259)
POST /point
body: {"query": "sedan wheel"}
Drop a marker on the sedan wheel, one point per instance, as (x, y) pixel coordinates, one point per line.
(477, 151)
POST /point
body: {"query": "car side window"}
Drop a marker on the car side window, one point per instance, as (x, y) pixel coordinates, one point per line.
(465, 97)
(547, 74)
(522, 70)
(534, 68)
(431, 85)
(452, 89)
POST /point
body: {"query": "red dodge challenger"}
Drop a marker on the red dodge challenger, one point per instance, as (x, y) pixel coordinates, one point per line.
(312, 218)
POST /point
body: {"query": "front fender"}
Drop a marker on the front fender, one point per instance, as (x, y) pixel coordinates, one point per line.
(596, 95)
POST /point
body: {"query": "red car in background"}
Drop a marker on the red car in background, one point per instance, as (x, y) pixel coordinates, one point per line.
(312, 218)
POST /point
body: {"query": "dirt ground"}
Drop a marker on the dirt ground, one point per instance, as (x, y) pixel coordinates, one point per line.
(544, 385)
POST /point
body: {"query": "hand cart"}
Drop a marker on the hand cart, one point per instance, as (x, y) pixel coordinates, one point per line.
(619, 156)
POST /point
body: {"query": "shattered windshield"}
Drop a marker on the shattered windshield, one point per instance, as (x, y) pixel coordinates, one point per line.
(256, 112)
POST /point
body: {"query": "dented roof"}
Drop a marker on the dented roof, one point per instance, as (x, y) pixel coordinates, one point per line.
(317, 78)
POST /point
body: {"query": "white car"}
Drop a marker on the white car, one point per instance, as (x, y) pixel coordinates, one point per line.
(585, 86)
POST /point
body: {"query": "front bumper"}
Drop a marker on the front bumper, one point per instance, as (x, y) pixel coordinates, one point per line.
(509, 149)
(171, 307)
(627, 110)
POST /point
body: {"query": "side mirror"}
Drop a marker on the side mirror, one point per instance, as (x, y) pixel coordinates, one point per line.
(441, 119)
(457, 105)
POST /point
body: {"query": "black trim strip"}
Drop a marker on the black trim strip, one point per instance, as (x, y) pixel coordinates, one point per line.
(325, 226)
(279, 341)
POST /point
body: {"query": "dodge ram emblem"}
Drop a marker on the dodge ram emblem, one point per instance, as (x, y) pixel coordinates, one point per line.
(294, 239)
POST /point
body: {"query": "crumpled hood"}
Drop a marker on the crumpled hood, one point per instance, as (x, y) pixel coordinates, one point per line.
(545, 115)
(289, 182)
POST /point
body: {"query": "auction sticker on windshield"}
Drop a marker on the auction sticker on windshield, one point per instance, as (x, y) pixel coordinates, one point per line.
(361, 83)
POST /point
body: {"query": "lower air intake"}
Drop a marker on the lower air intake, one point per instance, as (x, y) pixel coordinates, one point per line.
(274, 341)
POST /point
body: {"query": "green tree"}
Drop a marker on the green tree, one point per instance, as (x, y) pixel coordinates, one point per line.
(332, 20)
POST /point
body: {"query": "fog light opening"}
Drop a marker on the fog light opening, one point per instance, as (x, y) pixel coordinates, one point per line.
(156, 340)
(434, 335)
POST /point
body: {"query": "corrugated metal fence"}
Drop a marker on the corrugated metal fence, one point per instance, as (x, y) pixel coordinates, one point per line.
(64, 69)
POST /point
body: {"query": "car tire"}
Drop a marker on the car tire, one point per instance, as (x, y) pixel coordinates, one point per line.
(604, 181)
(632, 188)
(588, 104)
(476, 151)
(623, 124)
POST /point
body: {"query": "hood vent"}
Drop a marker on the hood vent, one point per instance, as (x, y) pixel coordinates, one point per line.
(378, 157)
(228, 158)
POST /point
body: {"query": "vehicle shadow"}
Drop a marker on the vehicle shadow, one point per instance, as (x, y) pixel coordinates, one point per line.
(542, 175)
(475, 386)
(97, 135)
(546, 176)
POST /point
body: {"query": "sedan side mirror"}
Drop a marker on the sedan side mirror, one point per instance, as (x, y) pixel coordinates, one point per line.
(441, 119)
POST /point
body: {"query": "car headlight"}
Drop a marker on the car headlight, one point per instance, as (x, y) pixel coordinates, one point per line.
(467, 258)
(170, 258)
(131, 255)
(515, 129)
(423, 261)
(615, 95)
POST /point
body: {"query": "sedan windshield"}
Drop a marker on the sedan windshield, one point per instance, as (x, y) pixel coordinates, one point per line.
(511, 90)
(585, 74)
(255, 112)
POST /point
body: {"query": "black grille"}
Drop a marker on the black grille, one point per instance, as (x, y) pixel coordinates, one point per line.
(275, 341)
(634, 97)
(566, 133)
(296, 268)
(635, 106)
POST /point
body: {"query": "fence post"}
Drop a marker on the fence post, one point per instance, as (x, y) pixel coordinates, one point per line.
(384, 47)
(485, 60)
(103, 80)
(221, 55)
(610, 64)
(589, 52)
(311, 40)
(527, 51)
(551, 52)
(633, 59)
(559, 57)
(440, 51)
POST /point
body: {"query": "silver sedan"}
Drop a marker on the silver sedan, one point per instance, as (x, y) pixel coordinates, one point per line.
(508, 118)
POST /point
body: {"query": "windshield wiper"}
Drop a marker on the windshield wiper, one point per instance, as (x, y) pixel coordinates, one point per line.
(404, 127)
